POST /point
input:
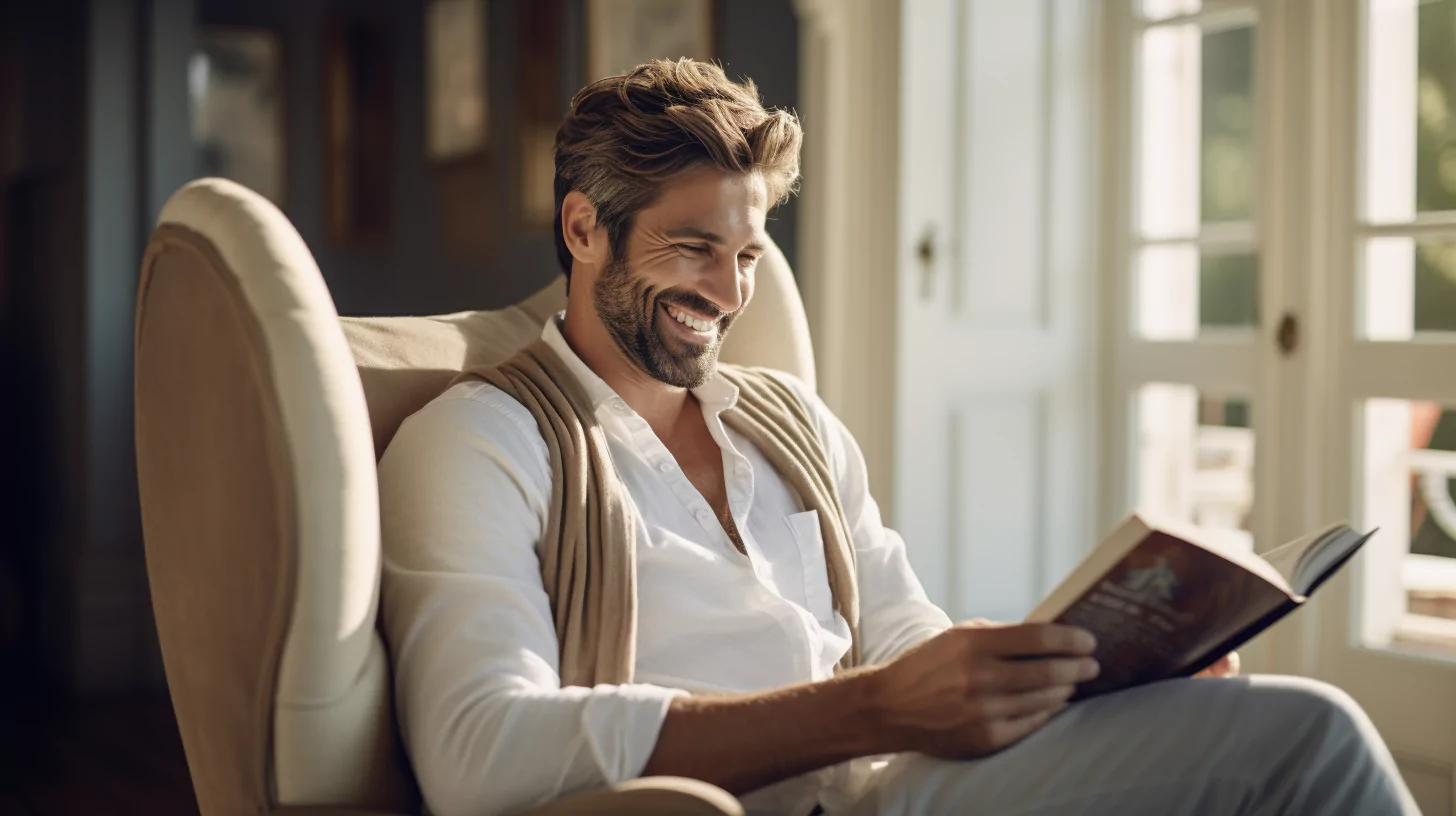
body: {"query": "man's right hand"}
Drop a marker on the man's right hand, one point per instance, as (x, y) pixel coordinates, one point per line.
(977, 688)
(967, 692)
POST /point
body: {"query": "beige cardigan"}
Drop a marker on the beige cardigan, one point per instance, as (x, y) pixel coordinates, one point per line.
(588, 561)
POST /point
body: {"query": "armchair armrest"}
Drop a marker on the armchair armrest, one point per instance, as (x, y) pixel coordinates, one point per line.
(649, 796)
(330, 810)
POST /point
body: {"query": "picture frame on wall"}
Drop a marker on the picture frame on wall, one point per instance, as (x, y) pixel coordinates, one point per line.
(235, 83)
(540, 104)
(622, 34)
(456, 96)
(359, 158)
(537, 176)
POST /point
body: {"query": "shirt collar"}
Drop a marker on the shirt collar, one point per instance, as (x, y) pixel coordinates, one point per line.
(716, 395)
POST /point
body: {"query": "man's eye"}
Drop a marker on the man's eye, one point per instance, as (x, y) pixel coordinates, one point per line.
(694, 249)
(747, 260)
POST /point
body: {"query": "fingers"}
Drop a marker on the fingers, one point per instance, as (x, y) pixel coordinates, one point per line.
(1227, 666)
(1025, 703)
(1006, 732)
(1011, 676)
(1034, 639)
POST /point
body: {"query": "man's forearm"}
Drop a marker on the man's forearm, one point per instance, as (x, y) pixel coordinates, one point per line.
(743, 742)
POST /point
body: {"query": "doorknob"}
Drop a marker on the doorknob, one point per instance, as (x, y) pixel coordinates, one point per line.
(925, 251)
(1288, 334)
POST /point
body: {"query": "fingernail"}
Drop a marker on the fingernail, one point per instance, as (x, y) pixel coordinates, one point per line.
(1090, 669)
(1088, 641)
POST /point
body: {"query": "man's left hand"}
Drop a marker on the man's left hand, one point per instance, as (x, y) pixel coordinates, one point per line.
(1227, 666)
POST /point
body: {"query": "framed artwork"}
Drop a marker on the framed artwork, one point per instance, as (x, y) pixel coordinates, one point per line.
(359, 156)
(622, 34)
(456, 104)
(540, 106)
(538, 176)
(235, 81)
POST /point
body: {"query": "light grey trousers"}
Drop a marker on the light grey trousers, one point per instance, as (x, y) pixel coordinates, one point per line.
(1257, 745)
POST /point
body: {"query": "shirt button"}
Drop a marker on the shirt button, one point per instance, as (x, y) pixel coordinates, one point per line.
(621, 407)
(665, 467)
(705, 516)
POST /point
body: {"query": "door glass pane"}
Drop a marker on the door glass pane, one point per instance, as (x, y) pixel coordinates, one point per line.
(1195, 459)
(1227, 154)
(1181, 293)
(1227, 289)
(1435, 98)
(1409, 485)
(1410, 109)
(1196, 128)
(1409, 286)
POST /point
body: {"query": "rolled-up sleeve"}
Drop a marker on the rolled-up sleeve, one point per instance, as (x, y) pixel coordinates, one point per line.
(463, 489)
(895, 613)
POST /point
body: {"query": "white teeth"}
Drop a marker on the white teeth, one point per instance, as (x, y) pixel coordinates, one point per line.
(692, 322)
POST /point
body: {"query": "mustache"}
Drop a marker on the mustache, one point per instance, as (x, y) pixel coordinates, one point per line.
(693, 301)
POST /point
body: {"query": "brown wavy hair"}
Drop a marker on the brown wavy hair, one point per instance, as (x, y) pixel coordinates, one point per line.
(627, 135)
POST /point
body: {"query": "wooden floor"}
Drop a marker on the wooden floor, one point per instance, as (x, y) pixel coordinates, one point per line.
(118, 758)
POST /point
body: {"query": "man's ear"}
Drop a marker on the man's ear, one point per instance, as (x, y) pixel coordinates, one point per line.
(585, 238)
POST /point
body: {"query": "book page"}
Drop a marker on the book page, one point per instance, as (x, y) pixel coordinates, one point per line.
(1285, 558)
(1163, 606)
(1325, 556)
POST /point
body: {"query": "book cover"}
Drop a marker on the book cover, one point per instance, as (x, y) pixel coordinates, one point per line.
(1162, 608)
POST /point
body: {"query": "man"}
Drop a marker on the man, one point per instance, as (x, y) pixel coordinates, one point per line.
(759, 628)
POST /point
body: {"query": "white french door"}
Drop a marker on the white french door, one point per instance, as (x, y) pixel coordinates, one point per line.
(994, 404)
(1281, 261)
(1196, 257)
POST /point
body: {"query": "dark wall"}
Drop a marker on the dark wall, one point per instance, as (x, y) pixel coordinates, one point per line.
(95, 129)
(41, 335)
(413, 272)
(760, 40)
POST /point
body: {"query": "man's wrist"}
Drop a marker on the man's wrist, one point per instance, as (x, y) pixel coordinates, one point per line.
(867, 710)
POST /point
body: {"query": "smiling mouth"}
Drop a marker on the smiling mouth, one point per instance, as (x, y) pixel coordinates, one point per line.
(697, 325)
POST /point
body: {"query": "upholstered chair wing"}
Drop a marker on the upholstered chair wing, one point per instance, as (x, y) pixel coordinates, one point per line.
(259, 417)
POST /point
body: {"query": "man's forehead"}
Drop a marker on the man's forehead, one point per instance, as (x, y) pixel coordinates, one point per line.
(712, 203)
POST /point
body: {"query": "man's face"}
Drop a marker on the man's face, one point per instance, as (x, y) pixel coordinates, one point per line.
(687, 273)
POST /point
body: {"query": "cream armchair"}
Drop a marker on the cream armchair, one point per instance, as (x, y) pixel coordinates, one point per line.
(259, 417)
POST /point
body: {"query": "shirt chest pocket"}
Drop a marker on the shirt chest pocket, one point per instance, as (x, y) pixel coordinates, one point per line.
(809, 541)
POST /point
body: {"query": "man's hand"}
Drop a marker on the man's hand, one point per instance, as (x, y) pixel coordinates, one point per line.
(977, 688)
(1227, 666)
(969, 691)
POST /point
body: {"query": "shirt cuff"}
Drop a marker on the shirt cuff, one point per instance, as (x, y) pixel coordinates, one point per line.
(621, 724)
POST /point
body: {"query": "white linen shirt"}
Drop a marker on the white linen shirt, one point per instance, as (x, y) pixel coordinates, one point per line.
(464, 489)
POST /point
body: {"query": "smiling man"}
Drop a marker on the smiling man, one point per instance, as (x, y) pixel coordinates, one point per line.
(612, 557)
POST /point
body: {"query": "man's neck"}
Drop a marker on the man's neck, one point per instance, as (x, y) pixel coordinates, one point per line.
(655, 401)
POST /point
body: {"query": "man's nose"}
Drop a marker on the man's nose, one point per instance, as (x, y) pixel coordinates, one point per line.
(720, 285)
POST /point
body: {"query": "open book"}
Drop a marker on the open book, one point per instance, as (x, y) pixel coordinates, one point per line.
(1165, 602)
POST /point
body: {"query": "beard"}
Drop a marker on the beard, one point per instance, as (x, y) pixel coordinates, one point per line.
(634, 314)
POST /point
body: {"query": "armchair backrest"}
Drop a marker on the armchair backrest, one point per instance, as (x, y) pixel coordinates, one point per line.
(404, 362)
(258, 417)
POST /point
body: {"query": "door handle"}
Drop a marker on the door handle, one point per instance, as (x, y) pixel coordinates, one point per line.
(925, 251)
(1288, 335)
